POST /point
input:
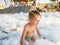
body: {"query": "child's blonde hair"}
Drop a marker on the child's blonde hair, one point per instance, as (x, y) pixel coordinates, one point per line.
(33, 13)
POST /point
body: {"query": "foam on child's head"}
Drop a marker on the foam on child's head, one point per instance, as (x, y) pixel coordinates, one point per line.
(33, 13)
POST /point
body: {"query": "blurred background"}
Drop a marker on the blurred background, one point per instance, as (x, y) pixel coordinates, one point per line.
(40, 5)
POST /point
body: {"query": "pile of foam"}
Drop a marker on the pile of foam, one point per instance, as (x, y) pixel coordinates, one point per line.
(11, 27)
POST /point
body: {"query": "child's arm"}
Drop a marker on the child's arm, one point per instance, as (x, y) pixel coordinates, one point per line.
(23, 35)
(38, 32)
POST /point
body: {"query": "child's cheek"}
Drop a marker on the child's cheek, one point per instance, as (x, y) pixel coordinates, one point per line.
(35, 22)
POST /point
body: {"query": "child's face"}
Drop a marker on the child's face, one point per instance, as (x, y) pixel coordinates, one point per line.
(35, 20)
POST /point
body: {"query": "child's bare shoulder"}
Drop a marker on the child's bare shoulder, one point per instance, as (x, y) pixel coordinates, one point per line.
(26, 26)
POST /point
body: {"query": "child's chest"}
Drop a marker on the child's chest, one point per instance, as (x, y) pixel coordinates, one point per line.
(31, 29)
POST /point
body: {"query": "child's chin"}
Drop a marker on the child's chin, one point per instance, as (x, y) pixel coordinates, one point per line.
(36, 24)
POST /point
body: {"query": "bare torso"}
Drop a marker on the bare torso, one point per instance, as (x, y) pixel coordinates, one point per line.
(30, 32)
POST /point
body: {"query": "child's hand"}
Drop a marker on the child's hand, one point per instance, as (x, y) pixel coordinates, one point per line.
(41, 37)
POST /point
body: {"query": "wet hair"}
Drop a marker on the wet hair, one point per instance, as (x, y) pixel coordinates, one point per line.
(33, 13)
